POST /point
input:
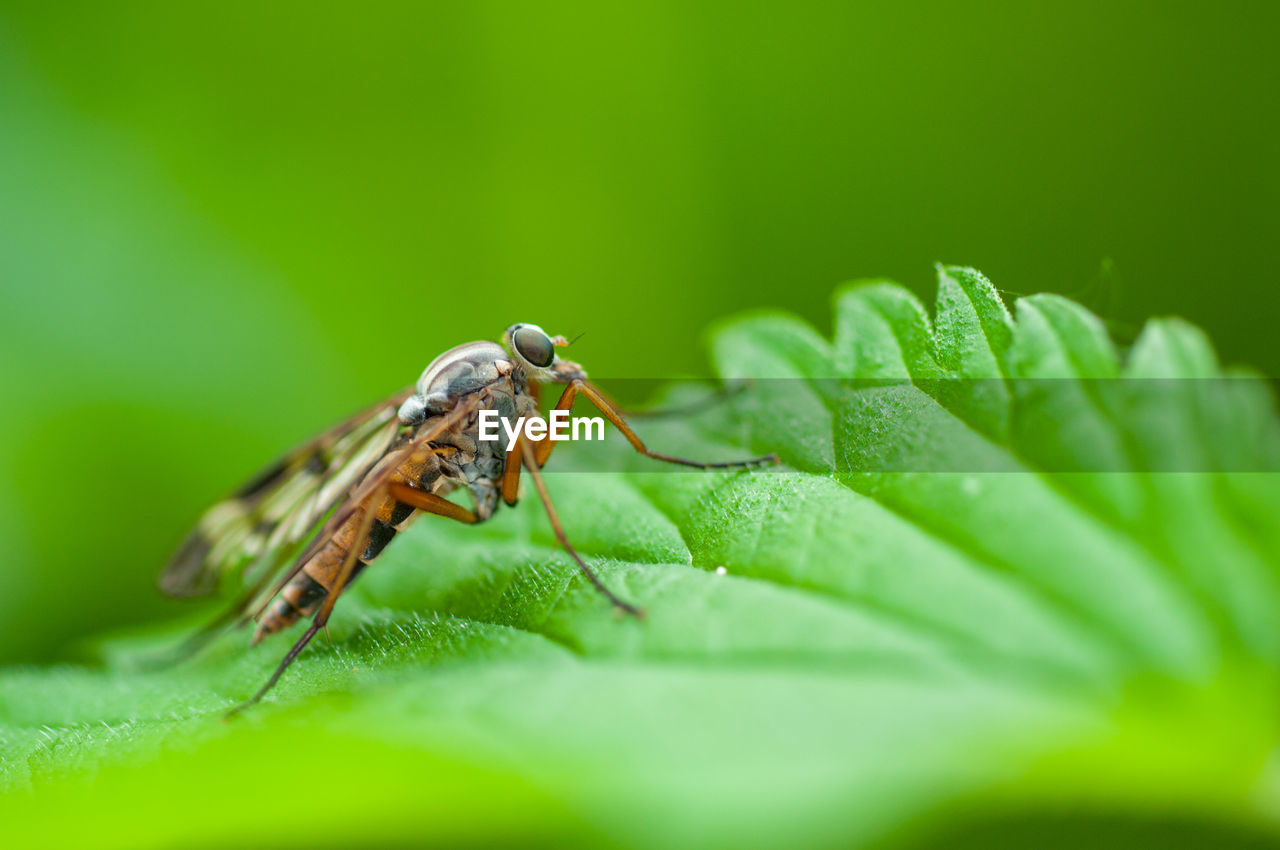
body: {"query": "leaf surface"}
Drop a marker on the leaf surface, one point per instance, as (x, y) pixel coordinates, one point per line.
(991, 577)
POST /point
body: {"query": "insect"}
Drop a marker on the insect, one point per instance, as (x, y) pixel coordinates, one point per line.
(307, 526)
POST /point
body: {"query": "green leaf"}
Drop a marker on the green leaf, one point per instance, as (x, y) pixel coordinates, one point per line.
(1006, 571)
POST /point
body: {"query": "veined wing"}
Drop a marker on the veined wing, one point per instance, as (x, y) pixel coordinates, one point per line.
(269, 518)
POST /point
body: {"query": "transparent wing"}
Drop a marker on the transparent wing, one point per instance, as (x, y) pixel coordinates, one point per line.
(267, 521)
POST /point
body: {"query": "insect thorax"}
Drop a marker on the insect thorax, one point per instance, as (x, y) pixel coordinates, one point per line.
(462, 458)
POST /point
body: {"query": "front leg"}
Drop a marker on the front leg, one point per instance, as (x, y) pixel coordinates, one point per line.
(606, 406)
(530, 463)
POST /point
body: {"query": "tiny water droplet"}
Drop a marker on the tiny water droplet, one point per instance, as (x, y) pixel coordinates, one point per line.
(721, 571)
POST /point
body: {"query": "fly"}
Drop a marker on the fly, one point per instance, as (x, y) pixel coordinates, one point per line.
(307, 526)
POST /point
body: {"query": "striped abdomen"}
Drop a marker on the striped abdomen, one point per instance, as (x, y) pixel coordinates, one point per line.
(306, 591)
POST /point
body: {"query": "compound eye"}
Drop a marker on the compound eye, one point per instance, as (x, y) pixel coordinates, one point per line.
(534, 346)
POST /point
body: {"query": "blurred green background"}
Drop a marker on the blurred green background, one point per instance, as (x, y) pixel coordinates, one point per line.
(223, 226)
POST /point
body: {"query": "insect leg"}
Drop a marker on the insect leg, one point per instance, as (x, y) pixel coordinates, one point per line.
(359, 542)
(431, 503)
(511, 472)
(301, 644)
(545, 446)
(606, 406)
(531, 463)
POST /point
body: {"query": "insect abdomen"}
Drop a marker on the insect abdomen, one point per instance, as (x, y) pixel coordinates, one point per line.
(307, 590)
(433, 468)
